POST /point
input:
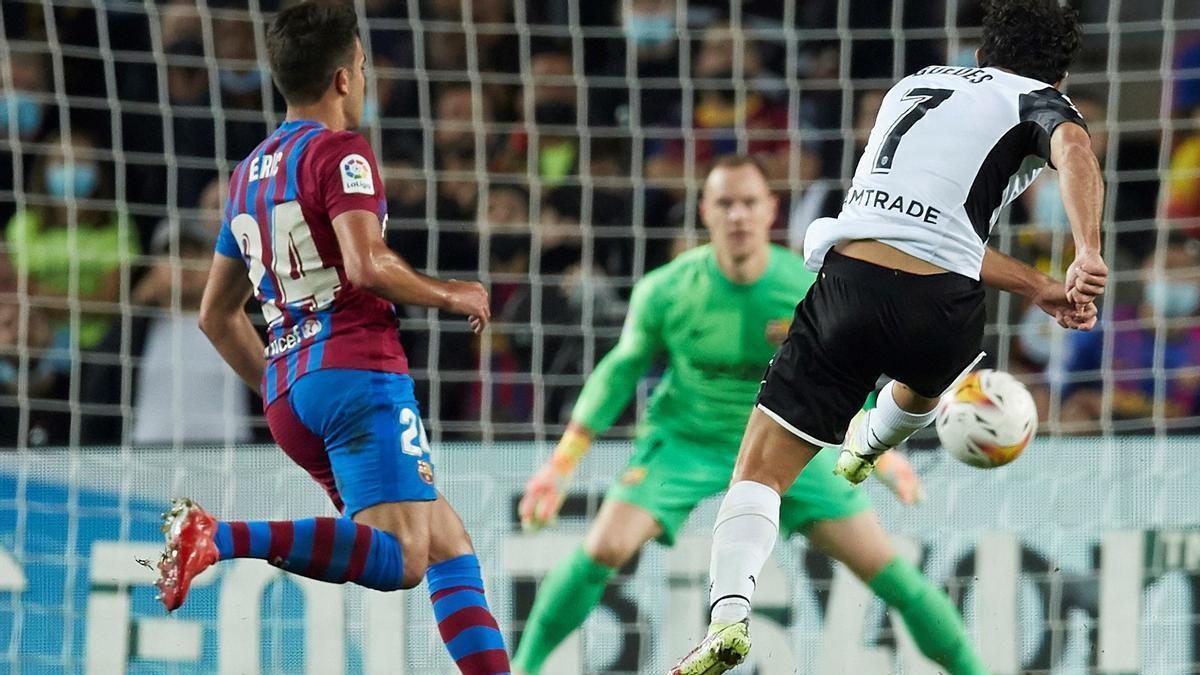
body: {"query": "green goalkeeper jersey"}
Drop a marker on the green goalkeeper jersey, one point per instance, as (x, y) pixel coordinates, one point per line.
(716, 337)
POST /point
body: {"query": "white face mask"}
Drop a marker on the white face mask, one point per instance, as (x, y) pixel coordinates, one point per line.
(370, 111)
(650, 30)
(240, 83)
(1048, 212)
(965, 58)
(1036, 335)
(1172, 299)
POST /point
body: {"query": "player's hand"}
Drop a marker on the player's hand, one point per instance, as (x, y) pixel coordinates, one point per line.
(544, 493)
(545, 490)
(895, 471)
(1052, 299)
(1078, 317)
(470, 299)
(1086, 277)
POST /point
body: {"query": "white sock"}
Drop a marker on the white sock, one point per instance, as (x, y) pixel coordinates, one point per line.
(743, 537)
(888, 425)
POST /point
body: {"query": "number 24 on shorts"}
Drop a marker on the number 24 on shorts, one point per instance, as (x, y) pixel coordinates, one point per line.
(412, 439)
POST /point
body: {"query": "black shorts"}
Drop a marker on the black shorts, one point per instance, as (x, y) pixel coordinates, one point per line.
(860, 321)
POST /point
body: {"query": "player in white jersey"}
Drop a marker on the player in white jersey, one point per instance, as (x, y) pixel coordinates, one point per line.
(900, 288)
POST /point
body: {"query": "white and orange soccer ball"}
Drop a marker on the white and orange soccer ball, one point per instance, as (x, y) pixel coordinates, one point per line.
(987, 420)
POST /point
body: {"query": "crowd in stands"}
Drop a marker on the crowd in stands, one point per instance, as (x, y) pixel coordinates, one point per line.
(557, 165)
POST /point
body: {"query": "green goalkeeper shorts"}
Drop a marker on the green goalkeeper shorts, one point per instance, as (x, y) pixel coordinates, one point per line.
(668, 476)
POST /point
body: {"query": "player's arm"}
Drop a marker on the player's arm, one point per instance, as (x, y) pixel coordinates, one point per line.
(374, 267)
(223, 319)
(1009, 274)
(349, 189)
(605, 394)
(1082, 190)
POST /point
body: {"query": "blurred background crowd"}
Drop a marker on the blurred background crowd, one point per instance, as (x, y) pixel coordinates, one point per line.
(552, 150)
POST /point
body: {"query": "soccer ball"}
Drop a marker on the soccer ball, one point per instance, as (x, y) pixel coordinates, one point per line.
(987, 420)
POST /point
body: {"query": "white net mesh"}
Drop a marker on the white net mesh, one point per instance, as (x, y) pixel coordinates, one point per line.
(553, 150)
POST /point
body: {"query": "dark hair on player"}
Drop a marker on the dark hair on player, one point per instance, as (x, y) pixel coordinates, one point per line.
(737, 162)
(1033, 38)
(307, 43)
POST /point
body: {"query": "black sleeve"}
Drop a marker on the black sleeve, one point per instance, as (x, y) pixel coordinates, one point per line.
(1044, 110)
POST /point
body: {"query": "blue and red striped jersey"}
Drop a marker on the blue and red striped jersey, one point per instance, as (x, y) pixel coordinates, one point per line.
(279, 220)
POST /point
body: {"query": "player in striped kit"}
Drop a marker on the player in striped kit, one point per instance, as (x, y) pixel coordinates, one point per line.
(305, 215)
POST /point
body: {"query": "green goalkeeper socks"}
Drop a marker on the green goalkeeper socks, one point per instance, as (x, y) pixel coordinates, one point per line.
(932, 619)
(566, 596)
(574, 587)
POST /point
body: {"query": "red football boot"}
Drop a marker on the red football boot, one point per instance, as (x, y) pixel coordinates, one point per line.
(189, 531)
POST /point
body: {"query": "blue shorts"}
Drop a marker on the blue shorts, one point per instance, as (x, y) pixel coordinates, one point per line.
(359, 434)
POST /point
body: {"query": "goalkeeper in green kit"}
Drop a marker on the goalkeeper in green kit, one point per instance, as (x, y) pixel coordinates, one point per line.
(715, 314)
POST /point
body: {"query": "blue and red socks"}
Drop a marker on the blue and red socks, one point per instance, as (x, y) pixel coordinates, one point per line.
(464, 620)
(336, 550)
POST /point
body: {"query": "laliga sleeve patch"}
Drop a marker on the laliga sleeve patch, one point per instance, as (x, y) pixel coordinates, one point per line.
(356, 175)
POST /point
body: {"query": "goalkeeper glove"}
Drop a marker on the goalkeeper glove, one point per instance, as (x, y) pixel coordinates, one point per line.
(895, 471)
(546, 489)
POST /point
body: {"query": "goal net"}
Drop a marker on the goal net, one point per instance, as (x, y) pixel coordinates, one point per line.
(555, 151)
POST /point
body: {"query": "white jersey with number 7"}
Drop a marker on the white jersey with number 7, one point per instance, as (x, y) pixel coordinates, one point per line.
(950, 148)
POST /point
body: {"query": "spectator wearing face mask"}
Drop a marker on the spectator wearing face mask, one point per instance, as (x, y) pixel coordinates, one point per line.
(455, 128)
(388, 100)
(549, 142)
(238, 74)
(240, 80)
(193, 137)
(460, 146)
(506, 228)
(575, 287)
(649, 30)
(538, 277)
(456, 246)
(23, 108)
(1170, 298)
(510, 343)
(448, 46)
(721, 117)
(23, 113)
(458, 165)
(74, 254)
(180, 389)
(503, 230)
